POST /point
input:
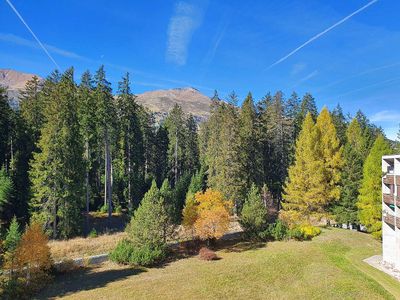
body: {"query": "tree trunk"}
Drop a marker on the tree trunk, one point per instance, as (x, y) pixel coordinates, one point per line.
(87, 188)
(176, 157)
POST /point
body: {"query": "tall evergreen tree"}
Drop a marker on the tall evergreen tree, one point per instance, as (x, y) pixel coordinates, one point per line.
(247, 144)
(369, 199)
(340, 122)
(106, 118)
(175, 125)
(352, 173)
(131, 141)
(87, 120)
(308, 106)
(57, 170)
(6, 193)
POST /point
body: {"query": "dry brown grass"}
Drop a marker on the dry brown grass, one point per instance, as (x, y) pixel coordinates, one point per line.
(83, 247)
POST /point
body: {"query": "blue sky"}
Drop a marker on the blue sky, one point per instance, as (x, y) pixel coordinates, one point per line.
(342, 51)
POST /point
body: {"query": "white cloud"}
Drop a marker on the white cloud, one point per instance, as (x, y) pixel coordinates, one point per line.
(16, 40)
(185, 20)
(386, 116)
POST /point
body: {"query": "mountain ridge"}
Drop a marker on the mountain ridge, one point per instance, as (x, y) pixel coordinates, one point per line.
(160, 102)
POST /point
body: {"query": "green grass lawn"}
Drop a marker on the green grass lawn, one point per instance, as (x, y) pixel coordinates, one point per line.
(329, 267)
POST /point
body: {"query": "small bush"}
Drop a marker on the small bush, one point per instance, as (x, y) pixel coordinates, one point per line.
(126, 253)
(122, 253)
(304, 232)
(146, 256)
(104, 208)
(276, 231)
(93, 233)
(207, 254)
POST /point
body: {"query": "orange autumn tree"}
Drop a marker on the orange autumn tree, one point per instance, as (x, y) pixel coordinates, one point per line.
(211, 213)
(33, 256)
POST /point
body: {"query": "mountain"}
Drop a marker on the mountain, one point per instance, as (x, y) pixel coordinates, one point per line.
(190, 99)
(158, 101)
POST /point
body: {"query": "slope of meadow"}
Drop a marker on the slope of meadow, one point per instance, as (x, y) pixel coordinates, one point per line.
(329, 267)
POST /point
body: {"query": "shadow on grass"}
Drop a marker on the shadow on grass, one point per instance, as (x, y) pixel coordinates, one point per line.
(85, 279)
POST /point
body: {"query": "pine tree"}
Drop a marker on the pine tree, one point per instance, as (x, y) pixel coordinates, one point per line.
(308, 106)
(369, 199)
(32, 106)
(247, 144)
(339, 120)
(254, 215)
(57, 170)
(177, 132)
(304, 198)
(5, 129)
(131, 141)
(87, 122)
(222, 156)
(146, 228)
(6, 193)
(13, 236)
(352, 173)
(106, 119)
(331, 155)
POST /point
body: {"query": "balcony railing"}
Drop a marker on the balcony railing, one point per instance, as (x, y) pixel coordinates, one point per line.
(389, 219)
(388, 199)
(388, 179)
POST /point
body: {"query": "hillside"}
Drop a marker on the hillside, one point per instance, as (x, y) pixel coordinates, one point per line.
(14, 81)
(328, 267)
(158, 101)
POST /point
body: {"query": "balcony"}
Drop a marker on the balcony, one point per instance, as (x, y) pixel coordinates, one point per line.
(388, 179)
(390, 219)
(388, 199)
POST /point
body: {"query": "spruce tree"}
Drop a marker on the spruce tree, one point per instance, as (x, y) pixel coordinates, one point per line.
(6, 193)
(370, 195)
(130, 141)
(13, 236)
(247, 144)
(339, 120)
(87, 122)
(346, 210)
(304, 198)
(146, 228)
(308, 106)
(254, 214)
(106, 119)
(57, 170)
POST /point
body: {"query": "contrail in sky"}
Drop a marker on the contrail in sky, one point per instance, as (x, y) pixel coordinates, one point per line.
(33, 34)
(322, 33)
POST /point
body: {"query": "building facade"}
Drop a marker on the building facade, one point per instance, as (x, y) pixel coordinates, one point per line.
(391, 210)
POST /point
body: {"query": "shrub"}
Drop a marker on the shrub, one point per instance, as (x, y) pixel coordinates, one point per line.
(146, 256)
(126, 253)
(93, 233)
(207, 254)
(122, 252)
(104, 208)
(304, 232)
(279, 231)
(254, 214)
